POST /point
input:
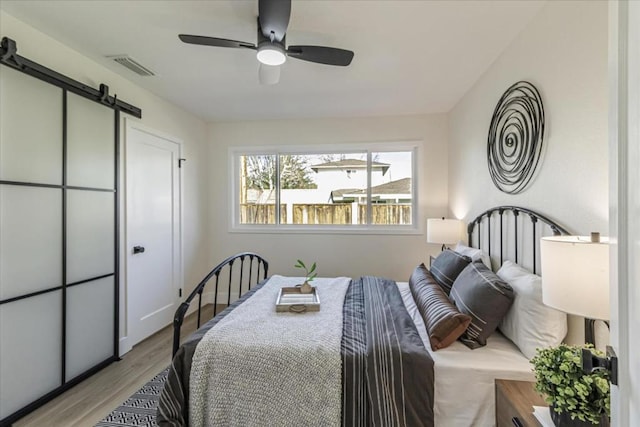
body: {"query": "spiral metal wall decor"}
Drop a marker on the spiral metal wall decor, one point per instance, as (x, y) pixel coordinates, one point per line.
(515, 138)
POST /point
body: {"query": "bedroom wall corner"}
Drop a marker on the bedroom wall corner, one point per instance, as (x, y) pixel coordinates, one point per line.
(157, 114)
(392, 256)
(563, 52)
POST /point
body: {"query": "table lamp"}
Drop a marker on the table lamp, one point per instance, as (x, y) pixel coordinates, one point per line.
(443, 231)
(575, 277)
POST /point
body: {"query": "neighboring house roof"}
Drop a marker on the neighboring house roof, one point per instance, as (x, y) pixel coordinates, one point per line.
(400, 186)
(338, 195)
(343, 191)
(350, 164)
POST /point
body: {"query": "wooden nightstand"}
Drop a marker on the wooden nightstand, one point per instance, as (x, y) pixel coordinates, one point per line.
(514, 404)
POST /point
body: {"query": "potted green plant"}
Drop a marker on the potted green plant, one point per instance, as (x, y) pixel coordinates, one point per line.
(310, 274)
(575, 398)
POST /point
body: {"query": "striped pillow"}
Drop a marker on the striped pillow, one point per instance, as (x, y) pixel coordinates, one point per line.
(446, 267)
(480, 293)
(444, 323)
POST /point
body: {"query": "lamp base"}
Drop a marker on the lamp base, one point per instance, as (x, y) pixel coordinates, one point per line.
(590, 330)
(592, 362)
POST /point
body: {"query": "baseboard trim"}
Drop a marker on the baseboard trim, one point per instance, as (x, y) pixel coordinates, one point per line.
(124, 346)
(207, 299)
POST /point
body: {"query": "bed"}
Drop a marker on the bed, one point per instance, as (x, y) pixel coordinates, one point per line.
(376, 359)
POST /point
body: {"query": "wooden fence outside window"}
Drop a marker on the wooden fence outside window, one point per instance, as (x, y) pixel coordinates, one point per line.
(326, 214)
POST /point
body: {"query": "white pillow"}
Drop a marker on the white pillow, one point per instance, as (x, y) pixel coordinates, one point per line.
(474, 254)
(529, 323)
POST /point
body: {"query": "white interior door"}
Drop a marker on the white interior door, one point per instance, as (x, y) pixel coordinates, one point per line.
(152, 231)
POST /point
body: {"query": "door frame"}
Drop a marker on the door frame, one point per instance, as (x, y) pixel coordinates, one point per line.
(624, 154)
(125, 319)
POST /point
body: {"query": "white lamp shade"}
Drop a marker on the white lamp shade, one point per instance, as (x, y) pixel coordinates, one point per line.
(440, 230)
(575, 275)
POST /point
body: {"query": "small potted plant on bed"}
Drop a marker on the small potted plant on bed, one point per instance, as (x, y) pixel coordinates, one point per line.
(575, 397)
(310, 274)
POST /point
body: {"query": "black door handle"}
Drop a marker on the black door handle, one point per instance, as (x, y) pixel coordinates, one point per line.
(138, 249)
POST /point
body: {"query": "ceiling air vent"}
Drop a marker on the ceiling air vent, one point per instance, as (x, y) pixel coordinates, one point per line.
(133, 65)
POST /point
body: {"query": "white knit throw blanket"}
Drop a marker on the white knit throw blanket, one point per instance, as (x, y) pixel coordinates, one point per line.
(258, 367)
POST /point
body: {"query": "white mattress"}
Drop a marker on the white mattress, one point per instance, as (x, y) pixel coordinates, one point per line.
(464, 378)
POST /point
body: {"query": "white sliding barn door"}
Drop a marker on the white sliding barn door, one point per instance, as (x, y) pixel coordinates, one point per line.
(153, 252)
(58, 273)
(90, 242)
(624, 123)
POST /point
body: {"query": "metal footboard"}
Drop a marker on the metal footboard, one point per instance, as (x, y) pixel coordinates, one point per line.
(248, 273)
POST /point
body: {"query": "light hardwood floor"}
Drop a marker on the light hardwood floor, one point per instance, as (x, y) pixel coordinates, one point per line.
(91, 400)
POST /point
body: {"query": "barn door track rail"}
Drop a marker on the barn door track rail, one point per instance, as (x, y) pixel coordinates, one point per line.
(9, 56)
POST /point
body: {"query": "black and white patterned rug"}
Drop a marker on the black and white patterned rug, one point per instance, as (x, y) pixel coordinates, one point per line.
(140, 409)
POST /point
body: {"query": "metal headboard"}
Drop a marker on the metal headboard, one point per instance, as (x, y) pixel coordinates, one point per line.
(255, 263)
(487, 218)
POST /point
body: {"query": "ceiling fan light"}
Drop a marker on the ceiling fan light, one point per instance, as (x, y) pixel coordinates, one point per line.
(268, 74)
(271, 54)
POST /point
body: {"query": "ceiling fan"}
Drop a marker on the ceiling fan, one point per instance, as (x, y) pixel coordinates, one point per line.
(271, 49)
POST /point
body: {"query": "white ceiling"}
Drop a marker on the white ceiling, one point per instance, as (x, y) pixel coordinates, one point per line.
(411, 57)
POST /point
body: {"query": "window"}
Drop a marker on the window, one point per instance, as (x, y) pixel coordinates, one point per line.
(358, 189)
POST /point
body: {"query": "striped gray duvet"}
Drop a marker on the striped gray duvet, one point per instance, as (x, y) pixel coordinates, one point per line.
(387, 375)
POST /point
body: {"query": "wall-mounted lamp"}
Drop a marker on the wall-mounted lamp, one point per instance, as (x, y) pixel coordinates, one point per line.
(443, 231)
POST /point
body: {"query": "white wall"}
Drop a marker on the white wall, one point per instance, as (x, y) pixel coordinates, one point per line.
(392, 256)
(563, 52)
(157, 114)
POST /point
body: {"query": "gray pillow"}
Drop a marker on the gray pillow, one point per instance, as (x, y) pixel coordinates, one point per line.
(446, 267)
(485, 297)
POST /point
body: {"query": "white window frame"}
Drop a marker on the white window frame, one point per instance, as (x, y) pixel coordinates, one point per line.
(367, 148)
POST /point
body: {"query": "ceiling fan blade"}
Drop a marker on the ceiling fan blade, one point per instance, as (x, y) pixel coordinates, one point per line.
(321, 54)
(268, 74)
(214, 41)
(274, 17)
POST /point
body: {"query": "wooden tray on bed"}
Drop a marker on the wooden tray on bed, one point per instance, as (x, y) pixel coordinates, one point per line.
(290, 299)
